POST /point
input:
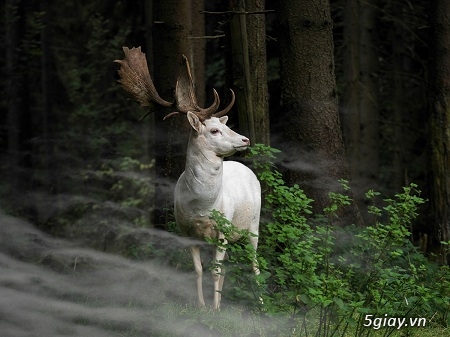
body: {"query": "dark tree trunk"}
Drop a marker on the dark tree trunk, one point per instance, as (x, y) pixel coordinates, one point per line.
(310, 114)
(360, 102)
(368, 109)
(398, 101)
(256, 31)
(13, 80)
(197, 50)
(16, 93)
(439, 126)
(172, 37)
(47, 94)
(149, 122)
(249, 69)
(350, 102)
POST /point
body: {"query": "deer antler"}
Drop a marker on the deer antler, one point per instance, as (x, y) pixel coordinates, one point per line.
(136, 80)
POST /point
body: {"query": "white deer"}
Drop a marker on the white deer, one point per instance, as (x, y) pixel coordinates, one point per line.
(208, 183)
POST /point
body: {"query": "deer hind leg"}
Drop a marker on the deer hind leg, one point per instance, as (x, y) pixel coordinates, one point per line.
(254, 243)
(195, 252)
(218, 278)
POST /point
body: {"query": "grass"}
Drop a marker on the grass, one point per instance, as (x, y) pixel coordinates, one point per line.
(188, 320)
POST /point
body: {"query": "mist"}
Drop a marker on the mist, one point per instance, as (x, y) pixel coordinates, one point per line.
(54, 287)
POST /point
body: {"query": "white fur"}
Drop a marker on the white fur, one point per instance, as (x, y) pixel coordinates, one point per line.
(210, 183)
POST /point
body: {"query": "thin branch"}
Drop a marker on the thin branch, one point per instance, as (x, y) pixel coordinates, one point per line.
(237, 12)
(207, 37)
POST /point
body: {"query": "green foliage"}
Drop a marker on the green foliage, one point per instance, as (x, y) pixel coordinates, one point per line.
(100, 142)
(327, 278)
(238, 266)
(89, 91)
(143, 252)
(127, 181)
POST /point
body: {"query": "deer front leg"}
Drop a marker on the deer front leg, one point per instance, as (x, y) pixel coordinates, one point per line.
(195, 252)
(218, 277)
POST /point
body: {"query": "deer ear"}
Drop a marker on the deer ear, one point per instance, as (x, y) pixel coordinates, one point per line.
(194, 121)
(223, 119)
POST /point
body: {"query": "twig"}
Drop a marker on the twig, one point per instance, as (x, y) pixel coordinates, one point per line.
(237, 12)
(207, 37)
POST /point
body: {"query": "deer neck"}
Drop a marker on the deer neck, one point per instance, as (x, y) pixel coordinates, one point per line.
(203, 173)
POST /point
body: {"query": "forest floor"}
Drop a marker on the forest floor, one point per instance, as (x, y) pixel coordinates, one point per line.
(55, 287)
(63, 287)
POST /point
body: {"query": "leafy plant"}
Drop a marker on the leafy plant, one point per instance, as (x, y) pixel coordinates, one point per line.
(325, 280)
(238, 266)
(375, 270)
(98, 149)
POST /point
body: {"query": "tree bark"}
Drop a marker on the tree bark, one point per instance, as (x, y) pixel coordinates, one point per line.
(310, 113)
(197, 50)
(360, 102)
(249, 69)
(399, 102)
(368, 109)
(13, 85)
(171, 31)
(47, 94)
(149, 122)
(256, 30)
(16, 85)
(351, 72)
(173, 25)
(439, 17)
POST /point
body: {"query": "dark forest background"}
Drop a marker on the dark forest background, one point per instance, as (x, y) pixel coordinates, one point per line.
(74, 152)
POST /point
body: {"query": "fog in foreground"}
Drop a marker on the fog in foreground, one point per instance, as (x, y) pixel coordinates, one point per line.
(52, 287)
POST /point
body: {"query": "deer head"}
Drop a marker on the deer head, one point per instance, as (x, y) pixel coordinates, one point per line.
(212, 135)
(136, 80)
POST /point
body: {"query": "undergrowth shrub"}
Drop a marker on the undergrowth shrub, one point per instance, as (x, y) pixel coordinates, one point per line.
(324, 279)
(238, 266)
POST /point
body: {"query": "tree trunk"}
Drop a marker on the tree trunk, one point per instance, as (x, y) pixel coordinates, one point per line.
(350, 102)
(249, 69)
(398, 42)
(172, 37)
(171, 30)
(370, 130)
(310, 113)
(440, 126)
(360, 102)
(47, 94)
(256, 30)
(197, 50)
(15, 88)
(148, 126)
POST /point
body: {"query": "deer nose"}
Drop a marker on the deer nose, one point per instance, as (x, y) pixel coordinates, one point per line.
(246, 141)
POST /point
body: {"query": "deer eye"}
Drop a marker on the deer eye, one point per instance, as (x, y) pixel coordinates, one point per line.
(214, 131)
